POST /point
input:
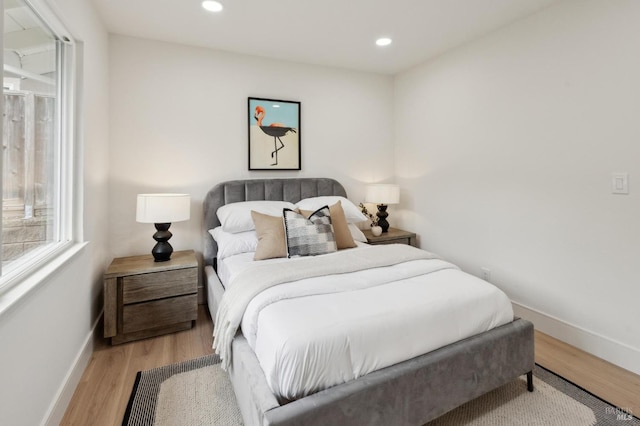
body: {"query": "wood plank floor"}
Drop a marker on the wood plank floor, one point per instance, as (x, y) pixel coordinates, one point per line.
(102, 395)
(615, 385)
(103, 392)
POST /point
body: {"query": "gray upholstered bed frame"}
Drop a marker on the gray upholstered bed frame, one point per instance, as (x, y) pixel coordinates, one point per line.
(409, 393)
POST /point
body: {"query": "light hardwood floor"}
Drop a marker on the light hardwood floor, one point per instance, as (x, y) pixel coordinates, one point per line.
(103, 392)
(615, 385)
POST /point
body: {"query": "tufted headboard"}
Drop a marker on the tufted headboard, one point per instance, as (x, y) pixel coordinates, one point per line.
(292, 190)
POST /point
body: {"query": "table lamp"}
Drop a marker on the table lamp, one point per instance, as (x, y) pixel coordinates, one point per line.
(162, 210)
(382, 195)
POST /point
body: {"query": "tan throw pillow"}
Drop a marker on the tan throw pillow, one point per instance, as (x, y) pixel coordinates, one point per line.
(343, 236)
(271, 239)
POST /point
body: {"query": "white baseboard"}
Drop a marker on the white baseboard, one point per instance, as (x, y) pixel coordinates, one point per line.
(65, 393)
(603, 347)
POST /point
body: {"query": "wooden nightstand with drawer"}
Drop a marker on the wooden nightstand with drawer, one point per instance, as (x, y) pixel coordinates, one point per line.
(143, 298)
(392, 236)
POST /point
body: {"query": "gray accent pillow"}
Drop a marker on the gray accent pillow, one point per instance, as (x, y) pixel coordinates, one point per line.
(341, 231)
(309, 237)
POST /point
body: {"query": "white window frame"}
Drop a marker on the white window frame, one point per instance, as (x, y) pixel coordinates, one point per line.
(30, 269)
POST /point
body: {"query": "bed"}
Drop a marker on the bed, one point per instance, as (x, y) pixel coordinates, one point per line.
(412, 391)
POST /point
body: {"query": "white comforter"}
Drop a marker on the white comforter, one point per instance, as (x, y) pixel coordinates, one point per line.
(317, 332)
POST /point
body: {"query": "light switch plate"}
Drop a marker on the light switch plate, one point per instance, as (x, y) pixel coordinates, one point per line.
(619, 183)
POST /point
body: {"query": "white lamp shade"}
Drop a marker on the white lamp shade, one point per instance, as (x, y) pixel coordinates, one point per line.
(383, 194)
(163, 208)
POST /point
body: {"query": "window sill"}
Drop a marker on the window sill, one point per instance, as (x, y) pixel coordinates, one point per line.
(14, 295)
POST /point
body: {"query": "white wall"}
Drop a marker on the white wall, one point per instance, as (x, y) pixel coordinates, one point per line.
(45, 340)
(179, 123)
(504, 149)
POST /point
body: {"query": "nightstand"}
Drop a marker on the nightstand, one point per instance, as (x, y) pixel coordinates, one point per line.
(392, 236)
(143, 298)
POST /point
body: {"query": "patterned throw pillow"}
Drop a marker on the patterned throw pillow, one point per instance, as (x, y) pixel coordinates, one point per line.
(309, 237)
(344, 239)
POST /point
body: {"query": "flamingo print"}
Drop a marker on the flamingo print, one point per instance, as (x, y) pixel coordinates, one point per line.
(274, 129)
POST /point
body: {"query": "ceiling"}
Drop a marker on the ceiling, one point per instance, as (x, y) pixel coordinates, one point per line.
(338, 33)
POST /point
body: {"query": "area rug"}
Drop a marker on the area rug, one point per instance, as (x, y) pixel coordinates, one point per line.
(198, 392)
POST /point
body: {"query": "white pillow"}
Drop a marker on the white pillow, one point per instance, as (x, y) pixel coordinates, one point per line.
(236, 217)
(230, 244)
(357, 234)
(351, 211)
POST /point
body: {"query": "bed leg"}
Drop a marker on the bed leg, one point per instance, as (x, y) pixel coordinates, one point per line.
(530, 381)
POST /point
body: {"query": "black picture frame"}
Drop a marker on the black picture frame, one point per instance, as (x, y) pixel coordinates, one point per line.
(274, 133)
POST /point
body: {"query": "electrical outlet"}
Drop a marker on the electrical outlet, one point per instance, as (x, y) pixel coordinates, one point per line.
(486, 274)
(620, 183)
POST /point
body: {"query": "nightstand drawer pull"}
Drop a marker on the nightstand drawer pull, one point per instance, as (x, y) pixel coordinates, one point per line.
(158, 285)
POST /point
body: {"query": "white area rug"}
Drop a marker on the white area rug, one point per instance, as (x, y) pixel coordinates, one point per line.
(198, 392)
(200, 397)
(512, 404)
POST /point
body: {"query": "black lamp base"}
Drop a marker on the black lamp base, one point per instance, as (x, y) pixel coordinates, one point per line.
(162, 250)
(382, 217)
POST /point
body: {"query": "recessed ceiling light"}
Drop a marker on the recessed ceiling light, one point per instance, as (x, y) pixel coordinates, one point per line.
(212, 6)
(384, 41)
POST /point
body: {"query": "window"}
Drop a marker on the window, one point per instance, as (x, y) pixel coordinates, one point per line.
(37, 139)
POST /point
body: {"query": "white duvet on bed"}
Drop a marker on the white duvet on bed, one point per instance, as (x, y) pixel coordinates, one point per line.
(229, 267)
(369, 320)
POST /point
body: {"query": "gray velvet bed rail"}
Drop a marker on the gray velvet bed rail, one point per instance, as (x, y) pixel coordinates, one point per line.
(412, 392)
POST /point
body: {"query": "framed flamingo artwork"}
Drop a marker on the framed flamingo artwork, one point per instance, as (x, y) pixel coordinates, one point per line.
(274, 134)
